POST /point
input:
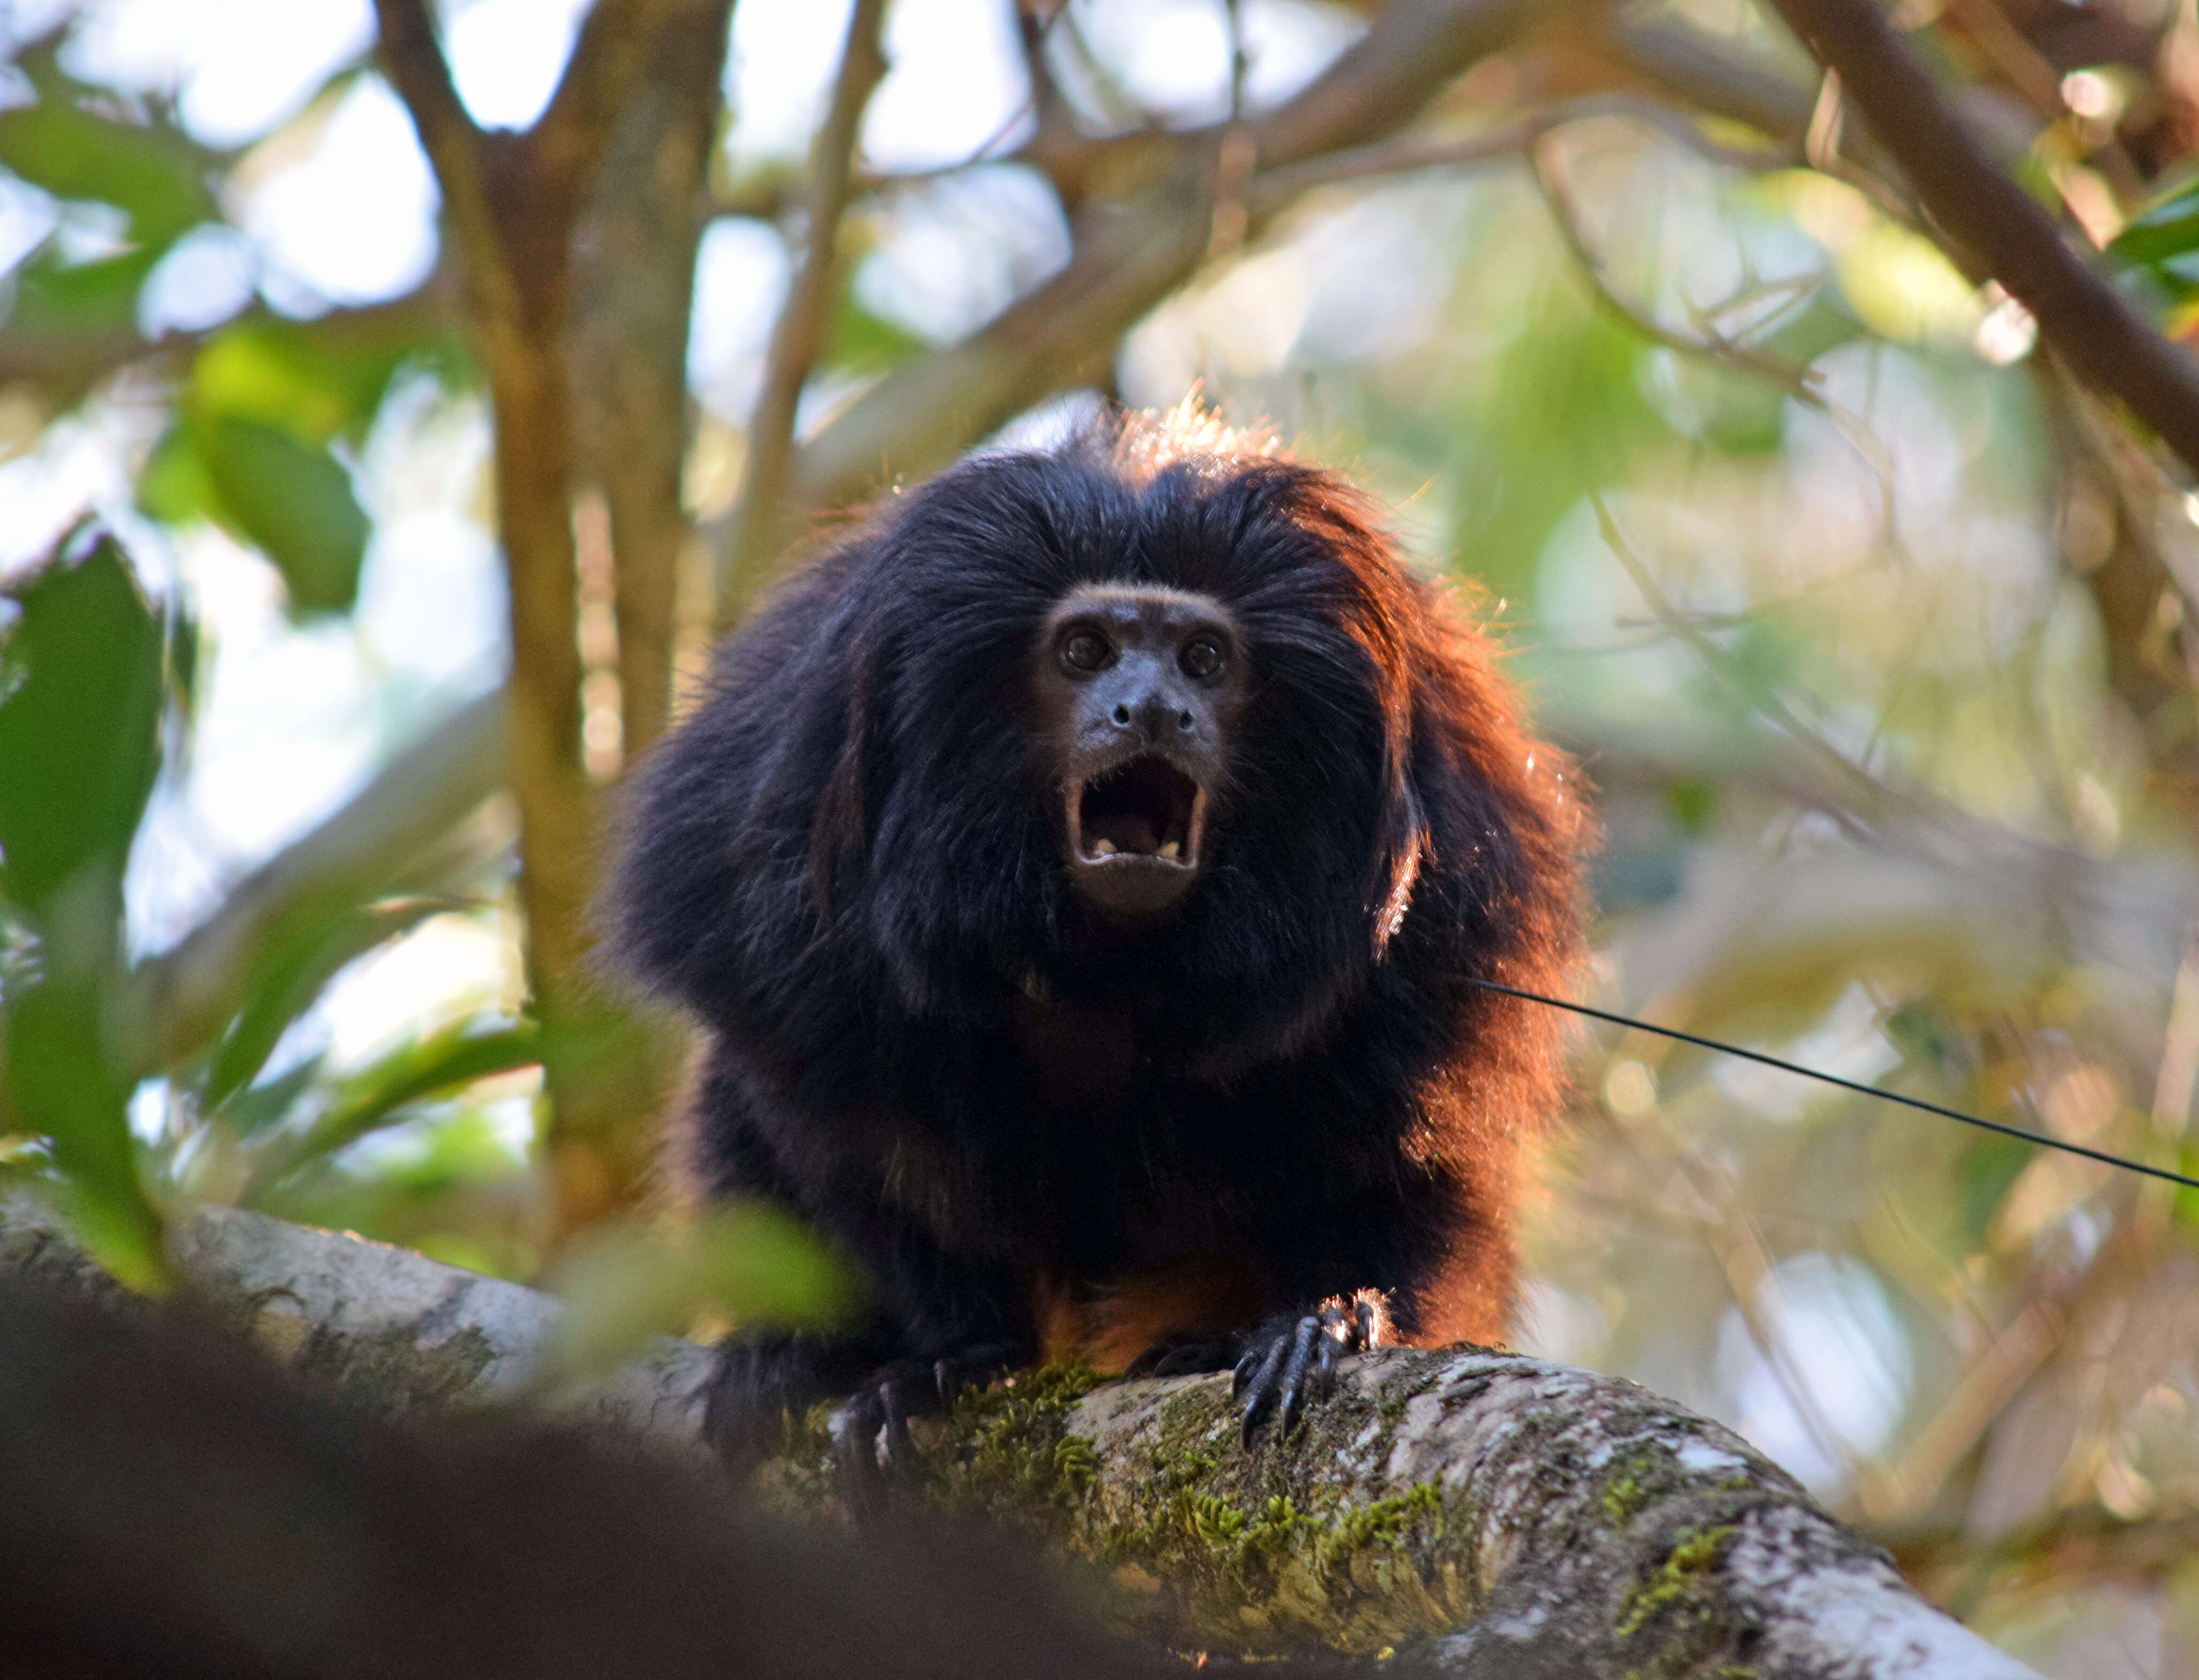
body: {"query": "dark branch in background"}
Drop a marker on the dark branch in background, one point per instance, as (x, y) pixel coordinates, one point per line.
(2081, 315)
(1711, 78)
(758, 524)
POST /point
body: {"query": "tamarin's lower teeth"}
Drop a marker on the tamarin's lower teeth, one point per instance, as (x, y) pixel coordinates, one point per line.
(1169, 848)
(1104, 848)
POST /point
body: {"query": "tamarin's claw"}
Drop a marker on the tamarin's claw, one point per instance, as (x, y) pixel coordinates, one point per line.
(870, 1434)
(1290, 1361)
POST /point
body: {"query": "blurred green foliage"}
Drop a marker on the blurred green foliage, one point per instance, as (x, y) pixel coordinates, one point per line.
(82, 691)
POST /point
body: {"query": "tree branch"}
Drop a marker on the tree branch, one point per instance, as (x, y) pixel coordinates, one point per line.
(758, 528)
(1682, 61)
(1133, 248)
(633, 297)
(515, 199)
(412, 57)
(2089, 323)
(1511, 1516)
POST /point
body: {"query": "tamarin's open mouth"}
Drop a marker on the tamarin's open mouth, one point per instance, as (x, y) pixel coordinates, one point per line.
(1145, 810)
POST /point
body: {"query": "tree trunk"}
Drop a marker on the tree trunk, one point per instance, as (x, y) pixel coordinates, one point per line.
(1493, 1514)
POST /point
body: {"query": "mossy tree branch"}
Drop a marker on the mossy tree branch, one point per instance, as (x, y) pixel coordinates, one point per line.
(1493, 1515)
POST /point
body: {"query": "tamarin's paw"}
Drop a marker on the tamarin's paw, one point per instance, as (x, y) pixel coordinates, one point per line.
(870, 1433)
(1290, 1360)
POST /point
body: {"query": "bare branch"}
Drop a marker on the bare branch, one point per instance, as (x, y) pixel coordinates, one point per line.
(1132, 251)
(2087, 321)
(61, 367)
(1713, 80)
(411, 57)
(758, 528)
(1513, 140)
(633, 302)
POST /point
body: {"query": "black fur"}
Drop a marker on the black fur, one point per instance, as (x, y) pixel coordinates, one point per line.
(847, 863)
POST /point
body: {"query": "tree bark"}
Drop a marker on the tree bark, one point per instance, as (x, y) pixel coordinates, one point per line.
(633, 287)
(514, 204)
(1488, 1514)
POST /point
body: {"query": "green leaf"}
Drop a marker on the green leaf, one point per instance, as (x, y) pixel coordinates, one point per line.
(81, 691)
(175, 487)
(297, 376)
(154, 174)
(57, 300)
(82, 686)
(371, 1099)
(286, 979)
(256, 1108)
(867, 343)
(1990, 1170)
(1694, 804)
(292, 501)
(66, 1086)
(626, 1284)
(2169, 229)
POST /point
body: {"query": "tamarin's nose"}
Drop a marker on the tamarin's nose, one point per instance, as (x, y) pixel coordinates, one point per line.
(1151, 717)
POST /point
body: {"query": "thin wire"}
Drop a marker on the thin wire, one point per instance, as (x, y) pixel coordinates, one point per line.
(2004, 1129)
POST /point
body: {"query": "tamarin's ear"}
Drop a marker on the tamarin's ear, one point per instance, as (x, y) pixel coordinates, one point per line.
(1403, 836)
(839, 831)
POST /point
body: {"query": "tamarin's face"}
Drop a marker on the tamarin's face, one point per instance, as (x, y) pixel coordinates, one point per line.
(1139, 690)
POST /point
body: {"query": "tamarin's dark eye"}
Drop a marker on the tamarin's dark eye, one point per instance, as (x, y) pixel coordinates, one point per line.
(1201, 658)
(1086, 650)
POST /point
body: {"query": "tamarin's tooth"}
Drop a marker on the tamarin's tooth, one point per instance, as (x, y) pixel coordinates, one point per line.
(1170, 848)
(1104, 848)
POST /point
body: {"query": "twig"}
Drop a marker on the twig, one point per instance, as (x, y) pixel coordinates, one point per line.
(2087, 321)
(1802, 384)
(1273, 187)
(1129, 255)
(412, 58)
(1985, 1388)
(2034, 76)
(754, 540)
(1877, 794)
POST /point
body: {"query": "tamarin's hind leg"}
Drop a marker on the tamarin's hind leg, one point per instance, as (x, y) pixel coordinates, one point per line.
(763, 1379)
(871, 1431)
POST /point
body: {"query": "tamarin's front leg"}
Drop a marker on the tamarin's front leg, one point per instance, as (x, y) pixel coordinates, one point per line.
(1291, 1360)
